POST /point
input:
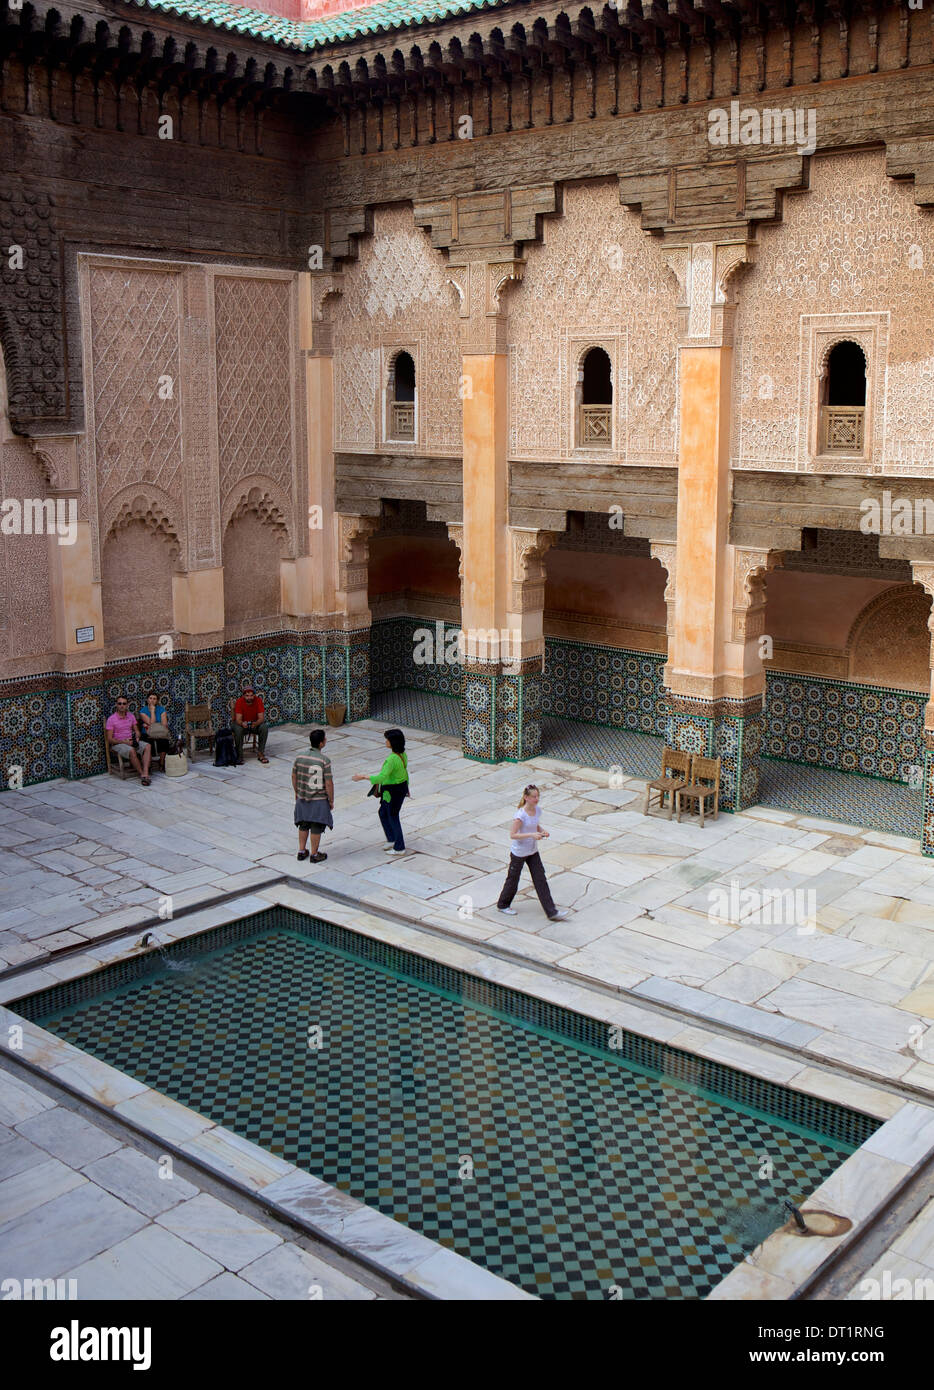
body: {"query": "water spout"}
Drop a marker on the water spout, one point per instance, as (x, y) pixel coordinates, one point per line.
(148, 938)
(799, 1220)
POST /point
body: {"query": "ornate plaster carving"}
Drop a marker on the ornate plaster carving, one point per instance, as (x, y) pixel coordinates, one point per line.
(456, 534)
(750, 567)
(527, 568)
(500, 274)
(595, 279)
(326, 287)
(152, 510)
(353, 549)
(922, 572)
(666, 553)
(882, 647)
(58, 458)
(259, 501)
(398, 292)
(858, 255)
(705, 272)
(701, 284)
(263, 496)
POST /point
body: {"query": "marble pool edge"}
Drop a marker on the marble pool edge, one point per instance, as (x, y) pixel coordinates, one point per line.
(781, 1266)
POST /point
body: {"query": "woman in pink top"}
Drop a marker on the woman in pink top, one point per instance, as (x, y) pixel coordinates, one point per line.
(122, 734)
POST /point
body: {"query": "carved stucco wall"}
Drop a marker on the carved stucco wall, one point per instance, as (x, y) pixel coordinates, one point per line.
(853, 257)
(256, 409)
(397, 295)
(253, 548)
(132, 371)
(26, 622)
(890, 643)
(596, 279)
(195, 415)
(136, 583)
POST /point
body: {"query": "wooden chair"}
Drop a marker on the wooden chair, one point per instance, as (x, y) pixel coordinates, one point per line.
(676, 771)
(198, 724)
(116, 763)
(704, 783)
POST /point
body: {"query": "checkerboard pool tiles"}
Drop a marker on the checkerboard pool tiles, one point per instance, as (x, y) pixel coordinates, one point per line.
(559, 1165)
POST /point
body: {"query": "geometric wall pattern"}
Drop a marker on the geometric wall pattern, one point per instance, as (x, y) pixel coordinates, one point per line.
(393, 646)
(604, 685)
(59, 732)
(853, 728)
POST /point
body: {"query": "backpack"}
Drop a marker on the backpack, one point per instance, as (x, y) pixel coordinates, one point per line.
(225, 750)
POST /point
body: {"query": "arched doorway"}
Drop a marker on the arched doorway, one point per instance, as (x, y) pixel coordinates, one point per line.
(416, 677)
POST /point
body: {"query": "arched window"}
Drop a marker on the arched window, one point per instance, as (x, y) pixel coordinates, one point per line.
(595, 403)
(843, 404)
(401, 394)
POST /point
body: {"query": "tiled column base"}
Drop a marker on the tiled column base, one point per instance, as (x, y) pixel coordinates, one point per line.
(927, 814)
(736, 739)
(502, 715)
(336, 671)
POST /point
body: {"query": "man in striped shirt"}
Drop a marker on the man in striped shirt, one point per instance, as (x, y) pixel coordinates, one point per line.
(314, 796)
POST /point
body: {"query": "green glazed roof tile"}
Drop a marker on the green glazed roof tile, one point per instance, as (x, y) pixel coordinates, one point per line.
(314, 33)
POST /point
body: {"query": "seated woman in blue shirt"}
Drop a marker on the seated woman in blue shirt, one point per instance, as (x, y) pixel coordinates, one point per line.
(154, 716)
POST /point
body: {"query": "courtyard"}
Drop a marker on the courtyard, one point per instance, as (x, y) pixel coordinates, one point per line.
(841, 1008)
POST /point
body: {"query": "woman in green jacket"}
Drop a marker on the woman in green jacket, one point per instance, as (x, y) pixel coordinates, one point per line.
(393, 783)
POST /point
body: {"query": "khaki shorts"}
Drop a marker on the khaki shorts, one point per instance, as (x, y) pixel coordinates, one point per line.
(124, 749)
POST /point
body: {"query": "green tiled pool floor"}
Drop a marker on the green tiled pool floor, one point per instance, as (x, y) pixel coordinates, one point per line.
(556, 1165)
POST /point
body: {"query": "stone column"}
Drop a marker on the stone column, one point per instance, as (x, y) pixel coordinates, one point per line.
(327, 586)
(520, 730)
(493, 707)
(198, 586)
(922, 572)
(76, 608)
(76, 595)
(714, 674)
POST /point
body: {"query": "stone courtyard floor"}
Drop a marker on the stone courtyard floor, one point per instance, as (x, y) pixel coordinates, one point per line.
(81, 860)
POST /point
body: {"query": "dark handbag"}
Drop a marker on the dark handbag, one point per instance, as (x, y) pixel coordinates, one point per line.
(225, 751)
(375, 790)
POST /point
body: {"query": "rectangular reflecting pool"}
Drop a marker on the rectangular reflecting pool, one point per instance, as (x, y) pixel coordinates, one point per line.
(574, 1159)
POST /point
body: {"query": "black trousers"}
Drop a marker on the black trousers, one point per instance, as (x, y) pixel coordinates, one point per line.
(537, 870)
(390, 813)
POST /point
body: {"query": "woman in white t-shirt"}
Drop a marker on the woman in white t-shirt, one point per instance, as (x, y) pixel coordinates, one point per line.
(526, 831)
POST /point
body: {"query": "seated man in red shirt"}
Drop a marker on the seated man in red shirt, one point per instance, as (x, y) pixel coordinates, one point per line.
(122, 733)
(250, 717)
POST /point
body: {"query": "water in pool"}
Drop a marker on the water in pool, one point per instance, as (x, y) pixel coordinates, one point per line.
(564, 1169)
